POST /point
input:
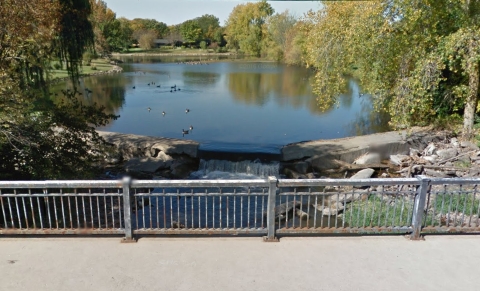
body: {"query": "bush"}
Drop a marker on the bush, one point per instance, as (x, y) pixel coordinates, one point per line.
(203, 44)
(93, 68)
(57, 66)
(87, 58)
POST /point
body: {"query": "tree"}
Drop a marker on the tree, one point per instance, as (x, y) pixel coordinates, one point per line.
(276, 40)
(190, 31)
(417, 62)
(245, 26)
(146, 39)
(139, 25)
(103, 21)
(208, 24)
(174, 34)
(38, 138)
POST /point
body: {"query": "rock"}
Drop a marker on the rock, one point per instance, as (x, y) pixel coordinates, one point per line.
(474, 172)
(414, 153)
(470, 145)
(446, 154)
(283, 209)
(369, 158)
(300, 213)
(454, 142)
(433, 173)
(311, 176)
(459, 174)
(301, 167)
(363, 174)
(398, 159)
(430, 149)
(323, 163)
(333, 209)
(293, 174)
(145, 165)
(432, 159)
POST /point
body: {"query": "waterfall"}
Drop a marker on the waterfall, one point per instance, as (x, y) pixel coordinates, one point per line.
(223, 169)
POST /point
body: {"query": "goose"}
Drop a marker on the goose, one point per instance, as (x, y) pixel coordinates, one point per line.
(163, 113)
(184, 131)
(187, 110)
(149, 109)
(191, 128)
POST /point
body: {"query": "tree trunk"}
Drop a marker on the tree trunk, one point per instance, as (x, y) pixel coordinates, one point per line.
(471, 101)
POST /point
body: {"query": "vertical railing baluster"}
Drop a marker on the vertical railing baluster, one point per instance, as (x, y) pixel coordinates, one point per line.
(420, 199)
(272, 192)
(127, 210)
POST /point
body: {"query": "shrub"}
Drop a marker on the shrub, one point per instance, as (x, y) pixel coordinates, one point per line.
(203, 44)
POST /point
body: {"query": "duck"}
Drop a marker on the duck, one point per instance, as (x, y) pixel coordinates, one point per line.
(149, 109)
(163, 113)
(178, 89)
(191, 128)
(184, 131)
(133, 87)
(171, 91)
(148, 84)
(187, 110)
(158, 86)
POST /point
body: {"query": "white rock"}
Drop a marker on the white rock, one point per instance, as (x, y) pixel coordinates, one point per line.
(398, 159)
(368, 158)
(363, 174)
(430, 149)
(454, 142)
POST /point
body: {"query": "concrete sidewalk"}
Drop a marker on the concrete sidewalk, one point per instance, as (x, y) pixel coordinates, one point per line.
(298, 264)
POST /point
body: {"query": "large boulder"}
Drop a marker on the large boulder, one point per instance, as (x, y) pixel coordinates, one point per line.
(363, 174)
(446, 154)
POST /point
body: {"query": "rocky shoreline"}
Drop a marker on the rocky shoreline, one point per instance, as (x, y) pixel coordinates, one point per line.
(389, 154)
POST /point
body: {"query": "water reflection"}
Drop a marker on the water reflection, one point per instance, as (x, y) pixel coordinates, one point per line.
(235, 105)
(107, 91)
(200, 78)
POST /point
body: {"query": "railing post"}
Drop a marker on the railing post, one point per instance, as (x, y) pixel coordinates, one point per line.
(419, 206)
(127, 211)
(272, 192)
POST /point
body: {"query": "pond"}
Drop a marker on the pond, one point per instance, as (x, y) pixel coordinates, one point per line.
(233, 105)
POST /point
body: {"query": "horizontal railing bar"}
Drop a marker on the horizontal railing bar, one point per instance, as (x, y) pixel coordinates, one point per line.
(198, 183)
(456, 181)
(62, 195)
(346, 193)
(196, 194)
(450, 229)
(61, 231)
(403, 229)
(61, 184)
(208, 231)
(346, 182)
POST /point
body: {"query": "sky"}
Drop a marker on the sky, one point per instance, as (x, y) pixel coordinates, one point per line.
(177, 11)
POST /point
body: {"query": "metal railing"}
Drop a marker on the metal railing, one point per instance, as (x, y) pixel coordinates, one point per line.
(267, 207)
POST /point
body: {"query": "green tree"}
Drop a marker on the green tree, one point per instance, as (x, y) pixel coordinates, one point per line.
(40, 139)
(190, 31)
(245, 27)
(208, 24)
(418, 58)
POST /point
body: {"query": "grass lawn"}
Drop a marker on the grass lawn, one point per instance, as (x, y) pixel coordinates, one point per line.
(97, 65)
(169, 51)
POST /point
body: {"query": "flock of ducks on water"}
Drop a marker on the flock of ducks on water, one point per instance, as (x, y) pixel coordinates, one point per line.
(172, 89)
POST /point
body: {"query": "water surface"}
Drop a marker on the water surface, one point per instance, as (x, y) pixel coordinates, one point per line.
(233, 105)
